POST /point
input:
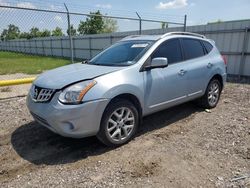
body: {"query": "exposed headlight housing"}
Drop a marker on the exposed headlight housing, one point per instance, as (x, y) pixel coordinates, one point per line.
(74, 94)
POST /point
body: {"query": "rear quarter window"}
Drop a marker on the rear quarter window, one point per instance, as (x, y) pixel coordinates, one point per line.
(208, 46)
(192, 48)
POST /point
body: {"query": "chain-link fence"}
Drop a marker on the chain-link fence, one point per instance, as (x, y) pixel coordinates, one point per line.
(34, 40)
(22, 23)
(37, 39)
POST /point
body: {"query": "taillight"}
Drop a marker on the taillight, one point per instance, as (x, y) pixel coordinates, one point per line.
(224, 59)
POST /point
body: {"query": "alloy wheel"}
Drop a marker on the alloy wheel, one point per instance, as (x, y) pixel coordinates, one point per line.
(213, 93)
(120, 124)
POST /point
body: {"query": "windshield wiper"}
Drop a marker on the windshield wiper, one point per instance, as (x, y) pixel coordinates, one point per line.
(103, 64)
(117, 65)
(91, 63)
(85, 62)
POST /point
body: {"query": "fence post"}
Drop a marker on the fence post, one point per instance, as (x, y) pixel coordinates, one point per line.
(111, 39)
(43, 48)
(70, 37)
(51, 49)
(24, 47)
(61, 46)
(30, 51)
(90, 48)
(185, 23)
(243, 53)
(140, 22)
(74, 48)
(36, 47)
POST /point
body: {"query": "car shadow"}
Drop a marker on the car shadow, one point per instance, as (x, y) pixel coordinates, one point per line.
(167, 117)
(39, 145)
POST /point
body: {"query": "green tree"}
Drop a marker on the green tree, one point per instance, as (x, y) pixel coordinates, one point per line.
(45, 33)
(164, 25)
(57, 32)
(73, 30)
(4, 35)
(12, 32)
(93, 25)
(109, 26)
(34, 32)
(24, 35)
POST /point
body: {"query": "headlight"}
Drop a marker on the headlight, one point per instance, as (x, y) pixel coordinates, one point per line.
(75, 93)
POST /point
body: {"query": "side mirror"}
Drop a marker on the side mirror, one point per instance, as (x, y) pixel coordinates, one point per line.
(158, 62)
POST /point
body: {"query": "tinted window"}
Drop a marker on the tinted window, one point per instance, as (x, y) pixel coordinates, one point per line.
(192, 48)
(170, 49)
(208, 46)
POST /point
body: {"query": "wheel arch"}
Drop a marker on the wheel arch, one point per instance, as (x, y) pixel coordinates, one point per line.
(219, 78)
(131, 98)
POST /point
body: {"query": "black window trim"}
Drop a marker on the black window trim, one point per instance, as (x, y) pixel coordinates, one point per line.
(200, 41)
(204, 48)
(180, 39)
(150, 56)
(182, 54)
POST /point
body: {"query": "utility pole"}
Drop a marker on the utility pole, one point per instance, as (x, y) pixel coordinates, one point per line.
(185, 23)
(70, 37)
(140, 22)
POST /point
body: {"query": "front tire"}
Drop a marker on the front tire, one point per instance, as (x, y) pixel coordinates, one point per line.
(212, 95)
(119, 123)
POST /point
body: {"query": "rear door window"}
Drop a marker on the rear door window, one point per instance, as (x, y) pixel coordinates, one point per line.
(170, 49)
(192, 48)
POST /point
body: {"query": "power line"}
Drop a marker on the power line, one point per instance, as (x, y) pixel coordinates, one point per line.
(57, 5)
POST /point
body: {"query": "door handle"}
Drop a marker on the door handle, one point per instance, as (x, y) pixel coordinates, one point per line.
(182, 72)
(209, 65)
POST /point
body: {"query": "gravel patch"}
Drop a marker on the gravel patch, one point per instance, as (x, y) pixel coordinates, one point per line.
(184, 146)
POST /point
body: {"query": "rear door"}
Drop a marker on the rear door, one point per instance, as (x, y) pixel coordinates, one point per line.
(198, 66)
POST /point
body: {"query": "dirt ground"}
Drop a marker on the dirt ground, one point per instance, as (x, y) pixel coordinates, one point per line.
(184, 146)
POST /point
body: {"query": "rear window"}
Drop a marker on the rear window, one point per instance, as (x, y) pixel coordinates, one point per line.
(208, 46)
(192, 48)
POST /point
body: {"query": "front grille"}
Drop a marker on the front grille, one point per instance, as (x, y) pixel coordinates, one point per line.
(41, 94)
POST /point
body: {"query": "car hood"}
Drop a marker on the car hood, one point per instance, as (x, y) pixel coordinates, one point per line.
(63, 76)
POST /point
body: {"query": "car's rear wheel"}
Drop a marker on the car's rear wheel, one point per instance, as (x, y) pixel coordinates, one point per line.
(119, 123)
(212, 95)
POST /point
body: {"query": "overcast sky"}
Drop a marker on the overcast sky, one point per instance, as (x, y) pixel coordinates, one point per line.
(197, 11)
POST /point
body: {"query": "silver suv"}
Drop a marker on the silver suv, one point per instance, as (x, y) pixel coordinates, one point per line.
(139, 75)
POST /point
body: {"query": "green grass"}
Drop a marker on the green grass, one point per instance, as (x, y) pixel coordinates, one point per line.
(11, 63)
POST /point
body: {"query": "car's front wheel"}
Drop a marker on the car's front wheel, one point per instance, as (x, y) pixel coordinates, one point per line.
(119, 123)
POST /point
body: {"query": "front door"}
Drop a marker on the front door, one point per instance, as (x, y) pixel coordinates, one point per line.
(165, 87)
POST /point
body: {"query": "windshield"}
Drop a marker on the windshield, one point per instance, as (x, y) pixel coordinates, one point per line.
(122, 53)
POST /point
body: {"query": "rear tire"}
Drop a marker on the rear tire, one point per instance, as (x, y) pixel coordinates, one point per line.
(212, 95)
(119, 123)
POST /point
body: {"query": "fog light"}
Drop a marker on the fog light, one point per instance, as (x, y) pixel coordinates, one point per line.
(67, 126)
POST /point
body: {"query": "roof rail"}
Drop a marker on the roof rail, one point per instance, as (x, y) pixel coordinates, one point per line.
(132, 36)
(182, 33)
